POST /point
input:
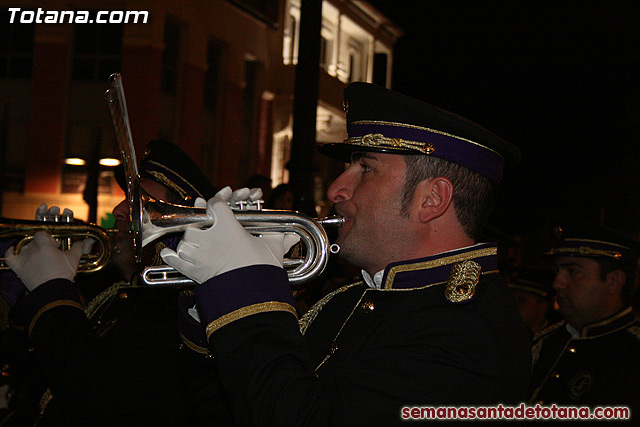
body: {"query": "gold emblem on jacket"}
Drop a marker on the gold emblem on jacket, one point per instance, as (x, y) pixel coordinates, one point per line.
(463, 278)
(579, 385)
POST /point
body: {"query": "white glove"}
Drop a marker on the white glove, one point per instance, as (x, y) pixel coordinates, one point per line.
(240, 196)
(42, 260)
(225, 246)
(44, 214)
(274, 240)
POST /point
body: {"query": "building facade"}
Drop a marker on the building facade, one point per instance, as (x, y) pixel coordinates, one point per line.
(216, 77)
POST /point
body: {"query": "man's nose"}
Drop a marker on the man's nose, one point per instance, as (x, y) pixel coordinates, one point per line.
(341, 189)
(558, 281)
(121, 211)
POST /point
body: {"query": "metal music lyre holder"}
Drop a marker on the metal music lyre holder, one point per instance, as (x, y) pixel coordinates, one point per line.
(152, 219)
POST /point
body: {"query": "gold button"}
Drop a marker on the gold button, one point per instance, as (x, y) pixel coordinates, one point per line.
(367, 306)
(556, 375)
(123, 295)
(571, 350)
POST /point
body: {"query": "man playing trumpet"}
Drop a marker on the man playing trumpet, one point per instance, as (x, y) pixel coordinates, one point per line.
(119, 359)
(431, 323)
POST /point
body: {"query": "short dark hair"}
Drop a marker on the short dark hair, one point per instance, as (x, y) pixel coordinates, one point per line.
(609, 265)
(473, 194)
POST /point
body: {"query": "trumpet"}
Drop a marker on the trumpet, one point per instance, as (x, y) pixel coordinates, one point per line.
(23, 232)
(160, 218)
(151, 218)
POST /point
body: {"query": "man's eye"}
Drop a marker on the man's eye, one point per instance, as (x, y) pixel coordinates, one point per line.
(365, 167)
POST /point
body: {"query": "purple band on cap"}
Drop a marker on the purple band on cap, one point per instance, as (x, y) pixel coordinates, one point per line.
(445, 146)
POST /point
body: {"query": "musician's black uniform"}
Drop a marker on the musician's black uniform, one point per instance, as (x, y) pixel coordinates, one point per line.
(425, 338)
(123, 366)
(119, 359)
(598, 367)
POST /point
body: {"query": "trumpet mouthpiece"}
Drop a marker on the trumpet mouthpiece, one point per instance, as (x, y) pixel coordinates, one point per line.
(331, 221)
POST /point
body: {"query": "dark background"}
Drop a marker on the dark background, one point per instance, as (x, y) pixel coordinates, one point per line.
(558, 79)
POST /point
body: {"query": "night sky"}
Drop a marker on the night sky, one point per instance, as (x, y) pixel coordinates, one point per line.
(560, 79)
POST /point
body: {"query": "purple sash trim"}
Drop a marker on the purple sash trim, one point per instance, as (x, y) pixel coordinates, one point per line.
(448, 147)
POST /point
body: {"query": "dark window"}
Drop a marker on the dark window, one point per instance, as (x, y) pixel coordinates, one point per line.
(212, 76)
(249, 117)
(324, 52)
(352, 68)
(265, 10)
(90, 144)
(74, 179)
(380, 69)
(290, 38)
(171, 56)
(97, 50)
(16, 48)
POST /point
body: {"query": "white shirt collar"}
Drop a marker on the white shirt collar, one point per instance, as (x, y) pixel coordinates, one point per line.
(375, 282)
(573, 331)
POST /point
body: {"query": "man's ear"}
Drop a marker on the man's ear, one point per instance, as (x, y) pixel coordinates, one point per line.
(615, 281)
(435, 197)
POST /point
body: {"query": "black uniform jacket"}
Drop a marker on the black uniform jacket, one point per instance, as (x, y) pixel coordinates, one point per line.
(601, 367)
(442, 331)
(116, 362)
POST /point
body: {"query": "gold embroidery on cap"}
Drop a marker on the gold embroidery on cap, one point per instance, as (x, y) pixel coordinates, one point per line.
(404, 125)
(379, 140)
(463, 278)
(162, 178)
(585, 251)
